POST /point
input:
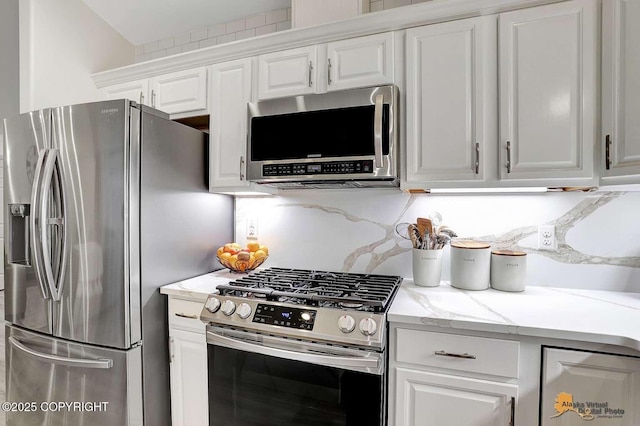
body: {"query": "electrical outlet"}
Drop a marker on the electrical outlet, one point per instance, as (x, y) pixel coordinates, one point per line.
(252, 228)
(547, 237)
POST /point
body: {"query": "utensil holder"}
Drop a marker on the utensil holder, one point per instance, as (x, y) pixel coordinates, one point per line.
(427, 267)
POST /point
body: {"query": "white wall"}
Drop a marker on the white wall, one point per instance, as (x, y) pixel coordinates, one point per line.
(9, 86)
(353, 230)
(62, 42)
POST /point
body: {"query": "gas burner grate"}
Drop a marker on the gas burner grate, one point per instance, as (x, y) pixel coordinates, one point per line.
(341, 290)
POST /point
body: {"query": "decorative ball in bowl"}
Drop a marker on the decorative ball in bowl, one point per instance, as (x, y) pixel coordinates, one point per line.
(242, 259)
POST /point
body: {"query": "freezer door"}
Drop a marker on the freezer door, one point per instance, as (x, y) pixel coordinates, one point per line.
(27, 296)
(54, 382)
(88, 247)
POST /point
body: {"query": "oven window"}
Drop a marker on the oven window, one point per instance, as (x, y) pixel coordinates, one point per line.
(340, 132)
(252, 389)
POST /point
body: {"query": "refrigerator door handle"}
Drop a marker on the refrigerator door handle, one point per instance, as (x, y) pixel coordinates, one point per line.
(103, 363)
(36, 193)
(51, 170)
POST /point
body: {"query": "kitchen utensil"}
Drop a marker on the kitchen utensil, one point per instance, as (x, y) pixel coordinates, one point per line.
(508, 270)
(425, 227)
(409, 231)
(470, 265)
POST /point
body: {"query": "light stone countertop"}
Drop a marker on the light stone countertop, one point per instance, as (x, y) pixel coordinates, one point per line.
(605, 317)
(198, 288)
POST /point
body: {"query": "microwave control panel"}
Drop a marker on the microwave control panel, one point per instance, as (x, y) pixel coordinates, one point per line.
(320, 168)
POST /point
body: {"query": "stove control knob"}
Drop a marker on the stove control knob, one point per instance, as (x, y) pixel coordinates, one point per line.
(244, 310)
(212, 305)
(228, 307)
(346, 323)
(368, 326)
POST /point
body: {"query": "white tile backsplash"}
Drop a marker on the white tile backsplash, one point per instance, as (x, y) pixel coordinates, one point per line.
(247, 27)
(353, 230)
(256, 21)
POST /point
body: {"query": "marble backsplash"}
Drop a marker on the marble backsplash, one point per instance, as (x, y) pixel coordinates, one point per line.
(598, 233)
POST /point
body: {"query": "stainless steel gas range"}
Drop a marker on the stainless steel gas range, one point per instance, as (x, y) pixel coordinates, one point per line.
(292, 347)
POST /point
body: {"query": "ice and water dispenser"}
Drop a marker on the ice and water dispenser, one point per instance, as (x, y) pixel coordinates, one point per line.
(19, 238)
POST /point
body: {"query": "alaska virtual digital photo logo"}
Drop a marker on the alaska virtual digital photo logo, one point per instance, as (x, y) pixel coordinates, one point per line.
(587, 410)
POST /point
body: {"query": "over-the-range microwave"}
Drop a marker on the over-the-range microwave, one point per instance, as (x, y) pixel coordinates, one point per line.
(338, 139)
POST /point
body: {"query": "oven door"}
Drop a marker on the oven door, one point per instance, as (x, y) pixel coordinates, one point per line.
(267, 380)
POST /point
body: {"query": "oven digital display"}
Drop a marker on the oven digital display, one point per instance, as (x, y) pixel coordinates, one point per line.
(285, 316)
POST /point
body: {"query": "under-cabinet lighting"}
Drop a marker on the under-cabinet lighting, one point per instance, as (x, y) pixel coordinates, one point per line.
(487, 190)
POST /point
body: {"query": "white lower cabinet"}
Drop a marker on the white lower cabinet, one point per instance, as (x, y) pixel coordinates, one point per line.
(439, 379)
(581, 387)
(424, 399)
(188, 366)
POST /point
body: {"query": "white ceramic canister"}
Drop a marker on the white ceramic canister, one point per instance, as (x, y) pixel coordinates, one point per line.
(427, 267)
(470, 265)
(508, 270)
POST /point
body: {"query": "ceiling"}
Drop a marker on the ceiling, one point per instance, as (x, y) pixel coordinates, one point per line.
(143, 21)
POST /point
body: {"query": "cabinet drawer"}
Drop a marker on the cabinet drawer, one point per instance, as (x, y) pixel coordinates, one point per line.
(465, 353)
(185, 314)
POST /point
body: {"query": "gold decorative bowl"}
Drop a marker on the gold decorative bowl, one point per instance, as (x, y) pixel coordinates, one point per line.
(242, 266)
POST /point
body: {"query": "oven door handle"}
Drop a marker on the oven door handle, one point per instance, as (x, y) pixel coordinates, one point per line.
(337, 361)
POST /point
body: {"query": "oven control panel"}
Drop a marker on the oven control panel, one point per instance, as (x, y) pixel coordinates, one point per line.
(338, 326)
(285, 316)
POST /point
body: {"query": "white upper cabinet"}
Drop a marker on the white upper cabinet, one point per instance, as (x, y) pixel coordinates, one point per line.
(445, 102)
(288, 73)
(137, 91)
(620, 140)
(346, 64)
(230, 93)
(360, 62)
(180, 94)
(548, 88)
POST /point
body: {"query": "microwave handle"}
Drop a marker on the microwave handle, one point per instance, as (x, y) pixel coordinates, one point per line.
(377, 132)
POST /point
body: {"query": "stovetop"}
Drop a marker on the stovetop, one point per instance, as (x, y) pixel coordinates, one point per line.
(330, 307)
(341, 290)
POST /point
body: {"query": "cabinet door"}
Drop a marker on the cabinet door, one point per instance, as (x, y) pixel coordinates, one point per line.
(188, 370)
(548, 89)
(445, 115)
(621, 88)
(431, 399)
(573, 380)
(288, 73)
(136, 91)
(230, 93)
(181, 92)
(360, 62)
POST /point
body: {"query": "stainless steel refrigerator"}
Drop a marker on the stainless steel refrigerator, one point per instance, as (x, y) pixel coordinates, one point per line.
(104, 203)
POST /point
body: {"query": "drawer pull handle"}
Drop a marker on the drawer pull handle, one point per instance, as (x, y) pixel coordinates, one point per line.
(186, 316)
(464, 355)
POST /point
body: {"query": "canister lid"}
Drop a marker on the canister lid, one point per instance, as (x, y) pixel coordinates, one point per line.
(508, 253)
(470, 244)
